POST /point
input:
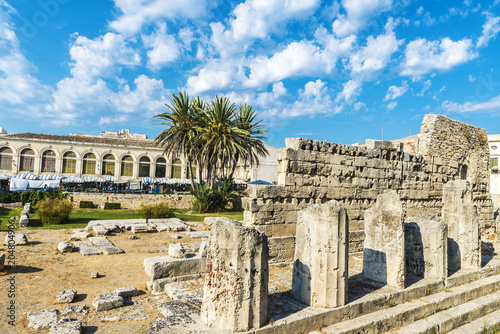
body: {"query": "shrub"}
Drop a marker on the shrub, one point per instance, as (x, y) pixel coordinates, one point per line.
(86, 205)
(216, 199)
(53, 210)
(156, 211)
(10, 197)
(112, 206)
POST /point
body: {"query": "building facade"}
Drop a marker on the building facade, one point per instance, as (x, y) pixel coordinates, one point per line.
(119, 154)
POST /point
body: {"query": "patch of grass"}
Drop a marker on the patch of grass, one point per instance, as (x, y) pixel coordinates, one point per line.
(190, 216)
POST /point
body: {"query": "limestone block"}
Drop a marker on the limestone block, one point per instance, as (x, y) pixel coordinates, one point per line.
(107, 301)
(23, 221)
(139, 228)
(42, 319)
(65, 247)
(461, 216)
(13, 238)
(126, 292)
(66, 326)
(166, 266)
(320, 268)
(235, 292)
(169, 224)
(66, 296)
(2, 262)
(426, 245)
(177, 251)
(79, 236)
(75, 309)
(99, 230)
(384, 246)
(176, 308)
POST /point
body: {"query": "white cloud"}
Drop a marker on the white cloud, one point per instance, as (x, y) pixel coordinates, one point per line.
(163, 48)
(395, 91)
(358, 13)
(427, 85)
(314, 99)
(392, 105)
(136, 13)
(492, 105)
(216, 75)
(423, 56)
(351, 89)
(359, 106)
(490, 31)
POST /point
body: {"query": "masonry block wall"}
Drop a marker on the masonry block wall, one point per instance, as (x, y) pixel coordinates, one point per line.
(315, 172)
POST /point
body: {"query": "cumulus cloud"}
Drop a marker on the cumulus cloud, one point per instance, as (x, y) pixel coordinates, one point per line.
(396, 91)
(135, 14)
(351, 89)
(314, 99)
(163, 48)
(392, 105)
(423, 56)
(492, 105)
(490, 31)
(358, 14)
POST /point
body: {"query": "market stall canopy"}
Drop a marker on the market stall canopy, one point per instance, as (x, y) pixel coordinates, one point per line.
(27, 176)
(93, 178)
(110, 178)
(52, 176)
(4, 176)
(73, 179)
(260, 182)
(148, 180)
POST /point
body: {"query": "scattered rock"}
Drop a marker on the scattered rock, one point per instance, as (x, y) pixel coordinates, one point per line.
(107, 301)
(75, 309)
(16, 239)
(94, 274)
(126, 292)
(24, 221)
(108, 319)
(176, 308)
(42, 319)
(177, 251)
(132, 237)
(160, 325)
(66, 326)
(2, 261)
(66, 296)
(65, 247)
(79, 236)
(199, 234)
(203, 249)
(175, 236)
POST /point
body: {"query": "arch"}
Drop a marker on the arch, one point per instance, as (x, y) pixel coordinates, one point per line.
(89, 163)
(6, 154)
(48, 161)
(144, 166)
(127, 165)
(160, 167)
(176, 168)
(27, 160)
(463, 172)
(108, 164)
(69, 162)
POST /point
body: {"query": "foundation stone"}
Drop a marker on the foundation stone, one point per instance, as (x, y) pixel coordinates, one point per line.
(235, 293)
(321, 254)
(384, 248)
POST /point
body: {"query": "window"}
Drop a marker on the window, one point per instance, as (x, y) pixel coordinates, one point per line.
(193, 166)
(144, 164)
(494, 165)
(89, 163)
(127, 166)
(69, 163)
(108, 165)
(161, 167)
(27, 163)
(49, 162)
(176, 168)
(5, 158)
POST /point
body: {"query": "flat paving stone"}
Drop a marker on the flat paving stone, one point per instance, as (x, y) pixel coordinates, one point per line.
(107, 301)
(105, 245)
(66, 326)
(87, 248)
(42, 319)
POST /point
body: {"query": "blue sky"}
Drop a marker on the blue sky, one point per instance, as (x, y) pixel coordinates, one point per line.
(339, 70)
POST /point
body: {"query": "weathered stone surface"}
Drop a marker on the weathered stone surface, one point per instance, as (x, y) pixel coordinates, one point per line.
(235, 293)
(177, 251)
(94, 274)
(163, 325)
(139, 228)
(169, 224)
(107, 301)
(100, 230)
(24, 221)
(132, 237)
(65, 247)
(199, 234)
(75, 309)
(211, 220)
(126, 292)
(42, 319)
(384, 248)
(166, 266)
(66, 326)
(86, 248)
(426, 244)
(320, 268)
(461, 216)
(79, 236)
(176, 308)
(202, 252)
(2, 262)
(105, 245)
(66, 296)
(13, 238)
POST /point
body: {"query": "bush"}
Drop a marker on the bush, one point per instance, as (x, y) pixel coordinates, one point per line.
(156, 211)
(216, 199)
(53, 210)
(10, 197)
(112, 206)
(86, 205)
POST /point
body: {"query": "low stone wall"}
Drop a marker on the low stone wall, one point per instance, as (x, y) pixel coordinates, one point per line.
(134, 201)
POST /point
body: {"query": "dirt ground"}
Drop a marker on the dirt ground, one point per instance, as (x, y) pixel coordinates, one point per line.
(42, 272)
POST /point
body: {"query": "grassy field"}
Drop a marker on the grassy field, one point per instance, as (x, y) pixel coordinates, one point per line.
(80, 217)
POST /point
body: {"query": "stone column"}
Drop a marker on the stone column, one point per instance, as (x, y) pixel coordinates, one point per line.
(236, 285)
(384, 246)
(462, 218)
(320, 269)
(426, 244)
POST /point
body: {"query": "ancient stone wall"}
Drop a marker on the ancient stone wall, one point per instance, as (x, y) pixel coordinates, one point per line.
(134, 201)
(315, 172)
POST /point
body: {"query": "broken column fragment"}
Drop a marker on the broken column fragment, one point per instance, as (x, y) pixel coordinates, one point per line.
(320, 268)
(236, 285)
(384, 249)
(426, 244)
(462, 218)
